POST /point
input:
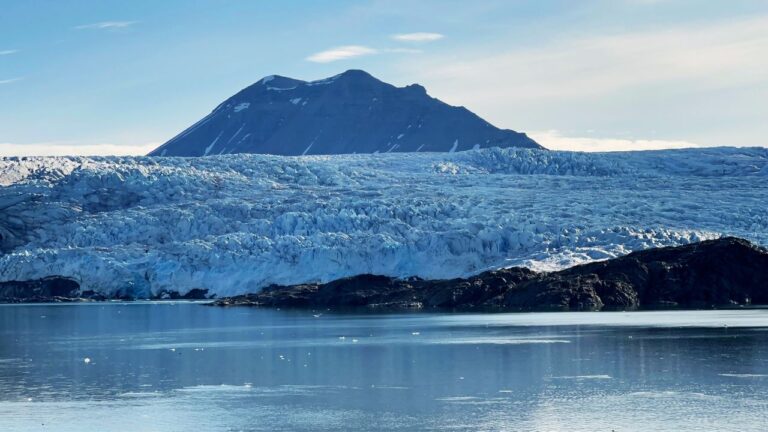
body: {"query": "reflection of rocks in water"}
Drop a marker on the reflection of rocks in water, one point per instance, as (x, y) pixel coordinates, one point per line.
(723, 272)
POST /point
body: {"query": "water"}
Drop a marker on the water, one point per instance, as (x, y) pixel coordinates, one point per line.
(187, 367)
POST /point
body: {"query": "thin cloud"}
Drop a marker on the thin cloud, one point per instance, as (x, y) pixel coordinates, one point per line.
(417, 37)
(640, 80)
(341, 53)
(713, 55)
(10, 80)
(106, 25)
(69, 148)
(403, 50)
(554, 140)
(8, 52)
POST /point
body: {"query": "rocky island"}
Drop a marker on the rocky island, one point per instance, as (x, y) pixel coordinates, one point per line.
(717, 273)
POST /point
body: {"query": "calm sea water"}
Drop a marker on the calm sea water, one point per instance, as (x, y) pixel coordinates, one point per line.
(186, 367)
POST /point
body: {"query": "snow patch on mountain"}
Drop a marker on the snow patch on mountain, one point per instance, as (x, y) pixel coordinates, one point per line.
(241, 106)
(352, 112)
(236, 223)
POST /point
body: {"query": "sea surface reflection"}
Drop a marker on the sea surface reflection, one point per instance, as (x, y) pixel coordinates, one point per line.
(182, 366)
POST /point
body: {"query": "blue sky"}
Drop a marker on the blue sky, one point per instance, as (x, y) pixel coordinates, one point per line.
(119, 77)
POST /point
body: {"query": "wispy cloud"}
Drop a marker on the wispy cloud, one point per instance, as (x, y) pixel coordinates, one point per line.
(554, 140)
(8, 52)
(107, 25)
(417, 37)
(403, 50)
(674, 80)
(715, 54)
(10, 80)
(70, 148)
(341, 53)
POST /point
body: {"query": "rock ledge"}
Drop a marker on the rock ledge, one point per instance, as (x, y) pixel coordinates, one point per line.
(726, 272)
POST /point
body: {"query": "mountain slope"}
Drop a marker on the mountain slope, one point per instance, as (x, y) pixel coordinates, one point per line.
(349, 113)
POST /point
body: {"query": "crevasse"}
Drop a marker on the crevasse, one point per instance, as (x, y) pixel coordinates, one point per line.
(234, 224)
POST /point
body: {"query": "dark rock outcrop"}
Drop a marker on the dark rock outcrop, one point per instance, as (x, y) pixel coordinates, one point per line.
(193, 294)
(352, 112)
(716, 273)
(58, 289)
(50, 289)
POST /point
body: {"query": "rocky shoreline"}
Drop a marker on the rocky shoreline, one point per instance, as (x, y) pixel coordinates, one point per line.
(727, 272)
(58, 289)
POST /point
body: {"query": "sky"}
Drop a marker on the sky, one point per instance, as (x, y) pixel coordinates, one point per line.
(122, 77)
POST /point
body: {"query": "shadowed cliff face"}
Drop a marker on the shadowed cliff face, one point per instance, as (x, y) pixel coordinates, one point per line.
(17, 218)
(724, 272)
(50, 289)
(349, 113)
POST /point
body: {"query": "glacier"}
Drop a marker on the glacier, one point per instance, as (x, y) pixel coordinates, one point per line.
(144, 226)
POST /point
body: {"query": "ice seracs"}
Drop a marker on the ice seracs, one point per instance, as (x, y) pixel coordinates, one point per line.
(235, 223)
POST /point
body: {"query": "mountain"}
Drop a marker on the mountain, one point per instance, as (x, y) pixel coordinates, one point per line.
(352, 112)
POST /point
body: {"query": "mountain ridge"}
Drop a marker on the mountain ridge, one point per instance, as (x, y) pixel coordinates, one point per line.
(352, 112)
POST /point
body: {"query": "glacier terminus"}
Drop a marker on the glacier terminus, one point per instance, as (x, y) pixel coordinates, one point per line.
(231, 224)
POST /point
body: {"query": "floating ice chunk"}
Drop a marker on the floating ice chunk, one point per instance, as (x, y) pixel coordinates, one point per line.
(743, 375)
(295, 101)
(582, 377)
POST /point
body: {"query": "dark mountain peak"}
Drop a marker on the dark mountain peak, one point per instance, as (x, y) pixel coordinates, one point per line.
(352, 112)
(352, 81)
(356, 75)
(416, 88)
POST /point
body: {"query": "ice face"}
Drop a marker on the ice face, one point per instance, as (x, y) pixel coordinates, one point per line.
(236, 223)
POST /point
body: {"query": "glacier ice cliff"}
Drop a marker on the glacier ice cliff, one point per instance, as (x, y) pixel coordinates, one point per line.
(140, 226)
